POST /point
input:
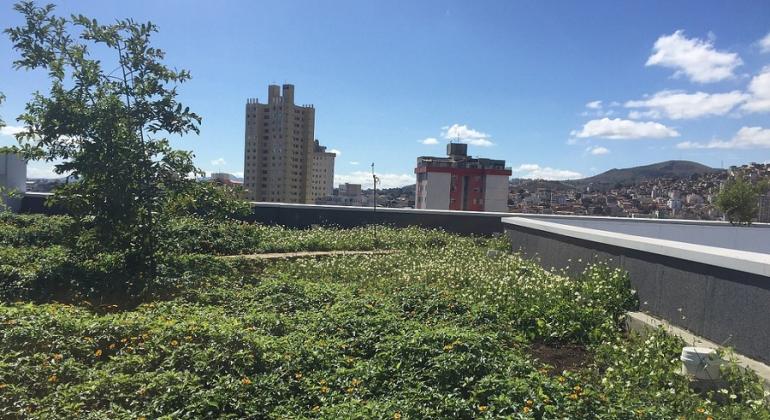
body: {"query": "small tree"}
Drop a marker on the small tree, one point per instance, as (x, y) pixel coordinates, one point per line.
(104, 118)
(739, 201)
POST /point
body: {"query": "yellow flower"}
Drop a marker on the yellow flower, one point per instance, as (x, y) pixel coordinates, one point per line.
(483, 408)
(58, 357)
(98, 352)
(700, 410)
(316, 408)
(174, 343)
(53, 378)
(3, 386)
(298, 375)
(396, 415)
(124, 341)
(562, 379)
(529, 403)
(324, 389)
(355, 382)
(572, 396)
(246, 381)
(112, 346)
(527, 409)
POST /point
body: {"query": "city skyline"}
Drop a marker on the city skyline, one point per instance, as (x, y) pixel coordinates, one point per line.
(558, 91)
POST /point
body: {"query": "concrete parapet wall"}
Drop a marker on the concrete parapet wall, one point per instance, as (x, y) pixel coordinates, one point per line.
(724, 298)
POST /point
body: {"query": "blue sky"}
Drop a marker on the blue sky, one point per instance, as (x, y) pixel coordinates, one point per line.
(518, 80)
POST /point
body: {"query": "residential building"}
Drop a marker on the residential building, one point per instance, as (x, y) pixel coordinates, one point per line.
(460, 182)
(280, 149)
(350, 190)
(322, 175)
(345, 195)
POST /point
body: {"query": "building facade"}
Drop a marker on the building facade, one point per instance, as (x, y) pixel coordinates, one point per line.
(280, 149)
(460, 182)
(763, 207)
(322, 175)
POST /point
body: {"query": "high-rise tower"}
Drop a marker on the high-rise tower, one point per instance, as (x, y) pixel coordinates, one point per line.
(280, 148)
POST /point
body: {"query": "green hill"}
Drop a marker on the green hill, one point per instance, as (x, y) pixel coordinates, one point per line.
(667, 169)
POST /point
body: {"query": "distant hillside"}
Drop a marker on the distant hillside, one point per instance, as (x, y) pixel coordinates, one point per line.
(534, 184)
(667, 169)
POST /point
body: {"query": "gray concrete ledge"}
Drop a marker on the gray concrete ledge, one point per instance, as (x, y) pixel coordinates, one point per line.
(642, 323)
(749, 262)
(369, 209)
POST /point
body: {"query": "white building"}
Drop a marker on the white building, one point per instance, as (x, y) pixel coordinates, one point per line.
(460, 182)
(13, 177)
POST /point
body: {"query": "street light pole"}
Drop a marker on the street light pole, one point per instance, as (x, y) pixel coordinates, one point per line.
(374, 181)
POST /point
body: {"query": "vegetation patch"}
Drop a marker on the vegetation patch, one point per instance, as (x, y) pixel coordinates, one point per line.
(437, 330)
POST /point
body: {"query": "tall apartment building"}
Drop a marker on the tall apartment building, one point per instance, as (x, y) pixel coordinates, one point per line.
(460, 182)
(322, 176)
(280, 150)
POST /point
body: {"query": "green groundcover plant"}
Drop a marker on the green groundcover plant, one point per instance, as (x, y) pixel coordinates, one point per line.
(438, 328)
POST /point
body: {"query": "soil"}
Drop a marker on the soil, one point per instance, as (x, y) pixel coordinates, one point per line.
(561, 356)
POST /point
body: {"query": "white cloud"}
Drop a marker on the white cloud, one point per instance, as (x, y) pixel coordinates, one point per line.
(429, 141)
(759, 89)
(467, 135)
(353, 162)
(42, 170)
(11, 130)
(335, 151)
(535, 171)
(365, 179)
(695, 58)
(596, 109)
(598, 150)
(745, 138)
(218, 162)
(478, 142)
(594, 105)
(764, 43)
(624, 129)
(676, 105)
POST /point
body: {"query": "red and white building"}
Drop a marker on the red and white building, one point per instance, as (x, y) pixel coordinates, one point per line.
(460, 182)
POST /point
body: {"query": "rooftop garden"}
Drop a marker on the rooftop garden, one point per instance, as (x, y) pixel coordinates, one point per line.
(151, 299)
(429, 325)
